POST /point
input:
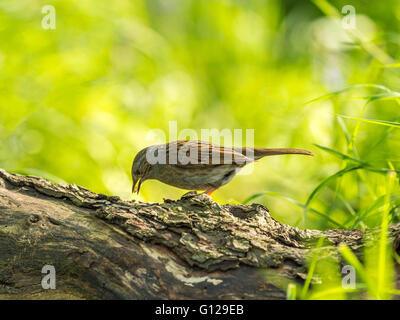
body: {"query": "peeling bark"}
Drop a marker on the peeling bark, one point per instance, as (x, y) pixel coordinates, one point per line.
(192, 248)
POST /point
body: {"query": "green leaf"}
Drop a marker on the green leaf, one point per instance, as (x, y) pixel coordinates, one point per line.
(392, 65)
(365, 85)
(340, 155)
(291, 291)
(351, 258)
(311, 268)
(385, 95)
(362, 214)
(374, 121)
(344, 128)
(325, 182)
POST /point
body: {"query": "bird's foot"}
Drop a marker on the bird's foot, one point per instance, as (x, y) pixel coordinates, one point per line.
(209, 191)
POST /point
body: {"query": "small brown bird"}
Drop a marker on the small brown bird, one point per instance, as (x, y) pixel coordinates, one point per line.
(196, 165)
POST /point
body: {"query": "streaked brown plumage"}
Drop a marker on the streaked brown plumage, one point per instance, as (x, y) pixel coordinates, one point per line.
(196, 165)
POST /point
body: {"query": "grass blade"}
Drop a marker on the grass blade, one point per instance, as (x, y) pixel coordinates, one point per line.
(325, 182)
(340, 155)
(334, 93)
(311, 269)
(351, 258)
(373, 121)
(301, 205)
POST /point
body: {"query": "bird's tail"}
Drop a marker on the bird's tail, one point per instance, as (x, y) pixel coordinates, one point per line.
(264, 152)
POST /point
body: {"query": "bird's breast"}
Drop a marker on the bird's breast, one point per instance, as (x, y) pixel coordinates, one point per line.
(195, 178)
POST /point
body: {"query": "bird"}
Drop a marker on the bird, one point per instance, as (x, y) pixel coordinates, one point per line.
(196, 165)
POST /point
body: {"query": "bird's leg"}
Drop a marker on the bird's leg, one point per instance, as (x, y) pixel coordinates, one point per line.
(209, 191)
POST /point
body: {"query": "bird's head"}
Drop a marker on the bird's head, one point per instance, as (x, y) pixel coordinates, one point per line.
(140, 170)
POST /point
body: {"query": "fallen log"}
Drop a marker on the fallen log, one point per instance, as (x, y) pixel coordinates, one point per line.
(194, 248)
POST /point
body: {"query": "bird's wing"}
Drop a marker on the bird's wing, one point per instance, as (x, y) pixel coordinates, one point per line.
(194, 153)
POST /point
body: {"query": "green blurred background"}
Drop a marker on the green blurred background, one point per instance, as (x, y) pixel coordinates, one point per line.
(77, 102)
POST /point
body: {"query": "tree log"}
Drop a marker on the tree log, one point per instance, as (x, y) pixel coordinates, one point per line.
(104, 248)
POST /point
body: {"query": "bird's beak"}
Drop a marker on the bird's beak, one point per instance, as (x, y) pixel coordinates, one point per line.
(136, 185)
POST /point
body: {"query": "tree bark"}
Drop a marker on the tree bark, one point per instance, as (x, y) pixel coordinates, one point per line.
(104, 248)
